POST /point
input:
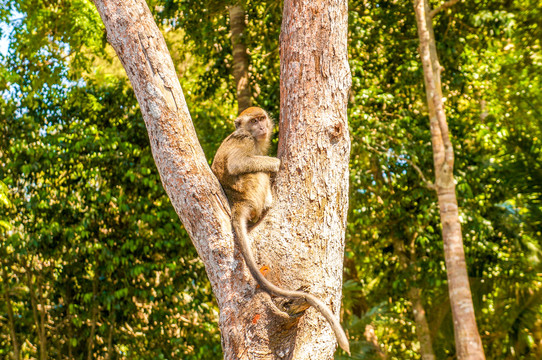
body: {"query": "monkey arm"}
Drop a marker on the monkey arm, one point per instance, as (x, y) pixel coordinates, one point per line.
(252, 164)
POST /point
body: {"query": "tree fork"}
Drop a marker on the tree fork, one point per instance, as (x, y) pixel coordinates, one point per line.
(312, 223)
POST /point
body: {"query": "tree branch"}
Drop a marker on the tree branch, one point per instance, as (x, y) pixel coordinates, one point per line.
(427, 183)
(446, 5)
(193, 189)
(11, 321)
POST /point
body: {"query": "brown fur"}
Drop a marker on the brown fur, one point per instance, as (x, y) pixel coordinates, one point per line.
(243, 168)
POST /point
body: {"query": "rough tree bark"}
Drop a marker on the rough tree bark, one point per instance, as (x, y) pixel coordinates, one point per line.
(314, 145)
(302, 238)
(467, 338)
(240, 57)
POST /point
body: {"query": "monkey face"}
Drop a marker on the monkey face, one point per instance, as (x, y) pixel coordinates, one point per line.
(256, 121)
(258, 126)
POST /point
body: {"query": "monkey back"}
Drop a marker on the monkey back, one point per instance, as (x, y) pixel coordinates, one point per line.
(248, 188)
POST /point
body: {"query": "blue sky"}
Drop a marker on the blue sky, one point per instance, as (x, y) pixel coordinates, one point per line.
(4, 41)
(5, 29)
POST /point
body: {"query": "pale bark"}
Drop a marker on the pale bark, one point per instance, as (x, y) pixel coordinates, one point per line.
(314, 146)
(467, 338)
(302, 238)
(240, 57)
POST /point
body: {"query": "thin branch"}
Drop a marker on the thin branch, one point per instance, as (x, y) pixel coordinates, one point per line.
(427, 183)
(446, 5)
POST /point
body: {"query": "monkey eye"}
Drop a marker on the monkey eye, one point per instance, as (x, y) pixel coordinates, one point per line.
(253, 120)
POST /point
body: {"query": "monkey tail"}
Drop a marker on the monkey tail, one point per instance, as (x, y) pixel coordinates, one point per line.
(240, 223)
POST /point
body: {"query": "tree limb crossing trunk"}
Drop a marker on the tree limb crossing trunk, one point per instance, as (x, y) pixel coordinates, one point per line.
(193, 190)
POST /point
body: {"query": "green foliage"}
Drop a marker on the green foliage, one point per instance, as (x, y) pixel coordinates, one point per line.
(111, 240)
(490, 53)
(206, 31)
(87, 232)
(93, 238)
(5, 204)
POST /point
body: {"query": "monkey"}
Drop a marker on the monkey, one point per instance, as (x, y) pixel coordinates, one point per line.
(243, 169)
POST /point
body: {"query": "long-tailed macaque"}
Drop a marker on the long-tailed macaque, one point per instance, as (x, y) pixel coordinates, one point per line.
(243, 168)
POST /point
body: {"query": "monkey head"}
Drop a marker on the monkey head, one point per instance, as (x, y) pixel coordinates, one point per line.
(256, 121)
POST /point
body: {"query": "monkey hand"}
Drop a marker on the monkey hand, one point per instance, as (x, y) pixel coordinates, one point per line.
(275, 165)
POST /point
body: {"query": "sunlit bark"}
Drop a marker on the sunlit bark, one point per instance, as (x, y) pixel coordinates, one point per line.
(302, 238)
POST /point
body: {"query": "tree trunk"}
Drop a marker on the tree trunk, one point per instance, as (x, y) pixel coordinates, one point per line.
(93, 318)
(40, 327)
(43, 318)
(467, 338)
(11, 320)
(240, 57)
(422, 326)
(314, 146)
(70, 336)
(110, 347)
(302, 237)
(415, 296)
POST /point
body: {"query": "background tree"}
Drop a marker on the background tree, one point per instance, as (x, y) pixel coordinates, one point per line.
(240, 56)
(467, 338)
(389, 199)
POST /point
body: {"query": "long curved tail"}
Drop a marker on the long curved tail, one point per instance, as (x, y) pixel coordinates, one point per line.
(240, 221)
